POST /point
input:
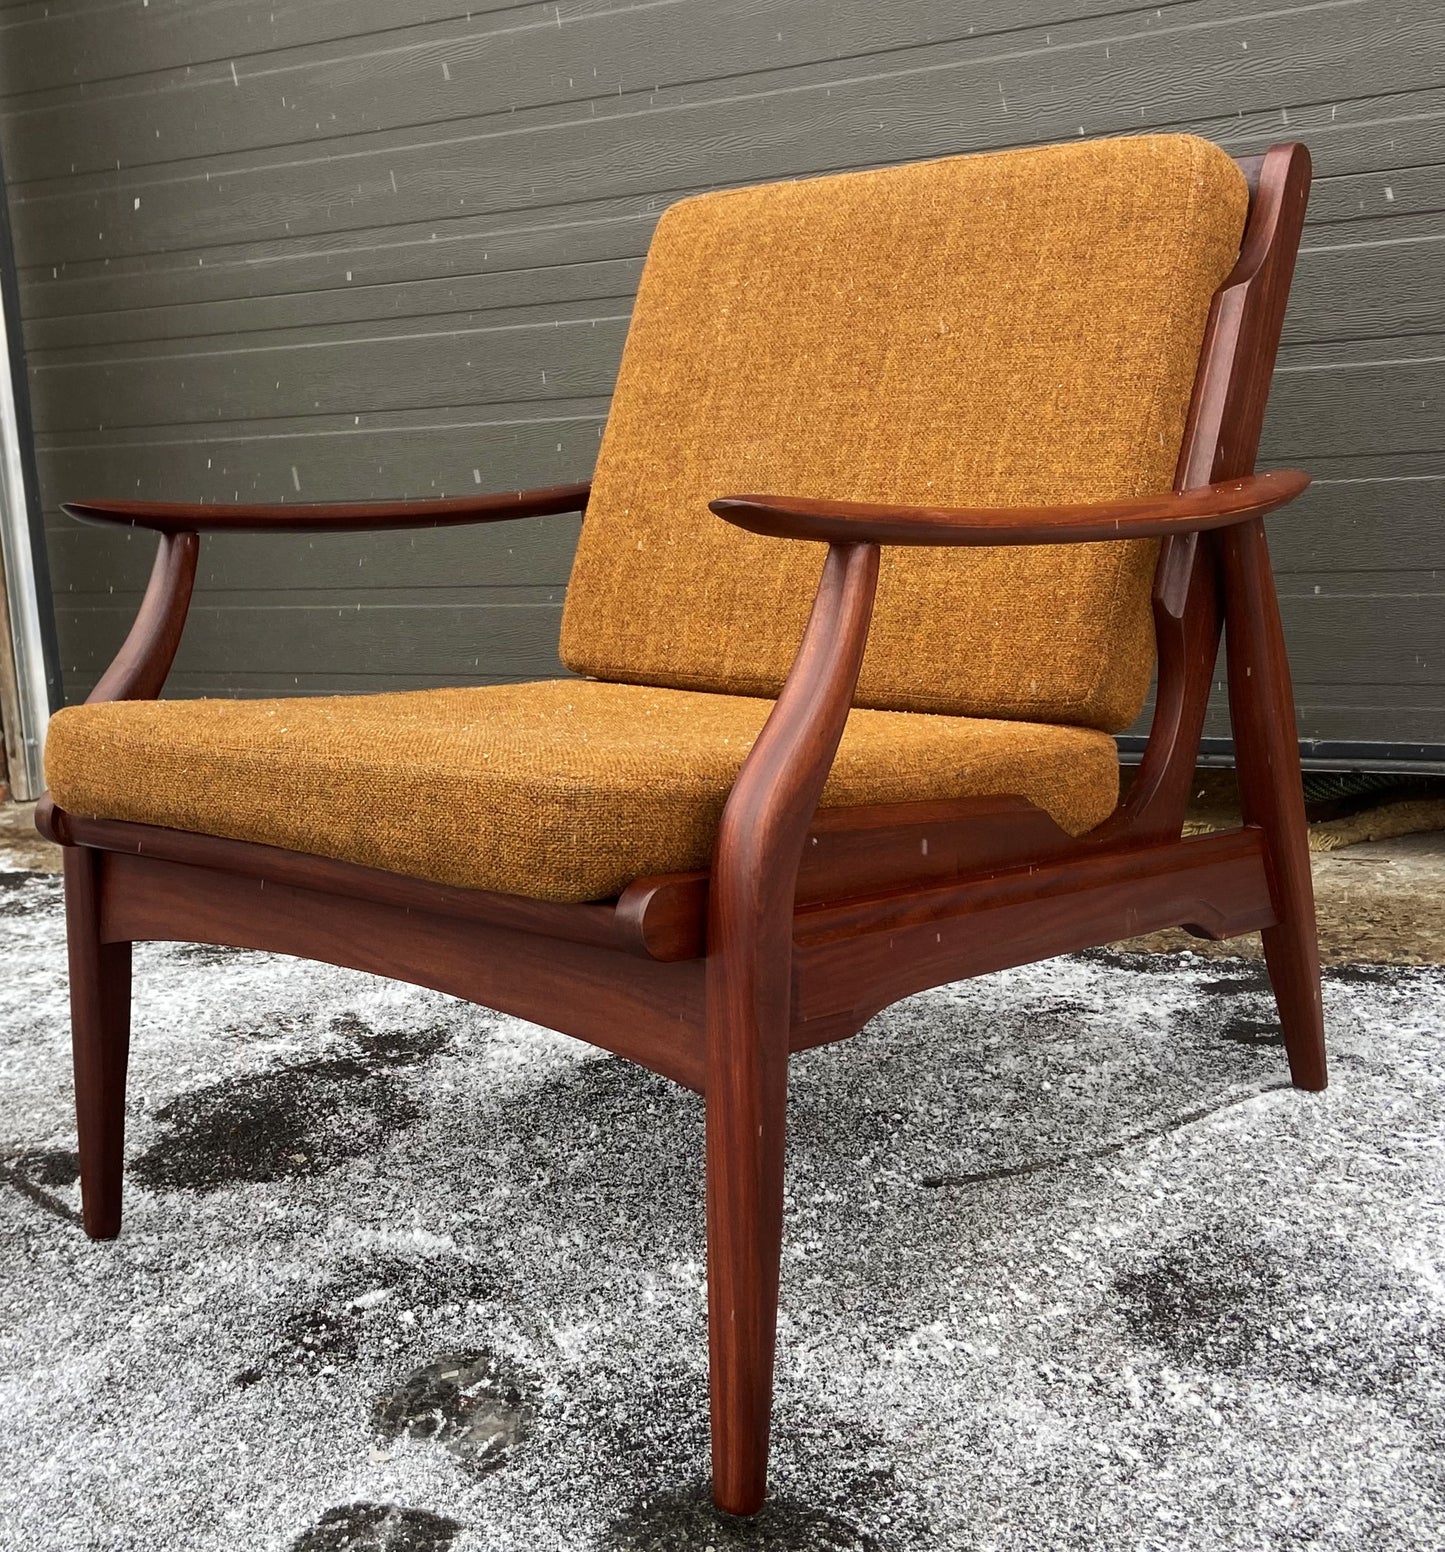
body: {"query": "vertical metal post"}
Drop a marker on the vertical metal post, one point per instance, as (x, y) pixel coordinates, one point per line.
(28, 682)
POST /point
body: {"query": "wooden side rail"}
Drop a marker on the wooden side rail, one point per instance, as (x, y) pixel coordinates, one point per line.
(599, 925)
(650, 1013)
(853, 959)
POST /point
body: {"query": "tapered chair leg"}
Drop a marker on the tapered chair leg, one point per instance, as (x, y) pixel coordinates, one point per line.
(746, 1122)
(1291, 952)
(100, 1039)
(1261, 704)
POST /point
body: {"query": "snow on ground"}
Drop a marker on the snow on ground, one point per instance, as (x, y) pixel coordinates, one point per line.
(1066, 1267)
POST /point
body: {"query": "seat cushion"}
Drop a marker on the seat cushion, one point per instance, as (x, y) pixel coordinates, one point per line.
(560, 790)
(1015, 329)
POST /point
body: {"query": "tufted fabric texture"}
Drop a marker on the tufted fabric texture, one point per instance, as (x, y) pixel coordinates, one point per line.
(1009, 329)
(560, 790)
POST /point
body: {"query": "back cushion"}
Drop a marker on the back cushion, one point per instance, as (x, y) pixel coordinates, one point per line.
(1003, 330)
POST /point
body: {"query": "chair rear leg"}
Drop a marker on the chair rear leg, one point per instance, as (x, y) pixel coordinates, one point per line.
(1261, 704)
(100, 976)
(1291, 951)
(747, 1086)
(1291, 948)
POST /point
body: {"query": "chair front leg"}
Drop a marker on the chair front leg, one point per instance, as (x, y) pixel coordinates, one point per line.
(100, 979)
(748, 1011)
(749, 1014)
(1266, 741)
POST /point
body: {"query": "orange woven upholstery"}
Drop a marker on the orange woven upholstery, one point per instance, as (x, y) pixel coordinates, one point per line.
(561, 790)
(1011, 329)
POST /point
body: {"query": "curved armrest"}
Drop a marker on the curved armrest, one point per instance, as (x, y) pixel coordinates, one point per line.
(140, 667)
(330, 517)
(1140, 517)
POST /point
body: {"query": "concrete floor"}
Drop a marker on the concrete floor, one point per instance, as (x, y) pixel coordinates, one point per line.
(1380, 902)
(21, 849)
(1068, 1268)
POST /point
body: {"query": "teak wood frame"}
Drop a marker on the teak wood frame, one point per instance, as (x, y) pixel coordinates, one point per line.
(809, 920)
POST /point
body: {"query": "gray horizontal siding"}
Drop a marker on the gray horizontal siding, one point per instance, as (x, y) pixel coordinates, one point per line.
(428, 631)
(1198, 55)
(349, 248)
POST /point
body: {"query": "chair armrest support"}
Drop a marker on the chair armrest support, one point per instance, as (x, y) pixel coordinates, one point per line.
(1140, 517)
(772, 802)
(776, 793)
(138, 671)
(330, 517)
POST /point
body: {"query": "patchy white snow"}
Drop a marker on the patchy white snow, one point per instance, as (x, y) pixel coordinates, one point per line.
(1065, 1269)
